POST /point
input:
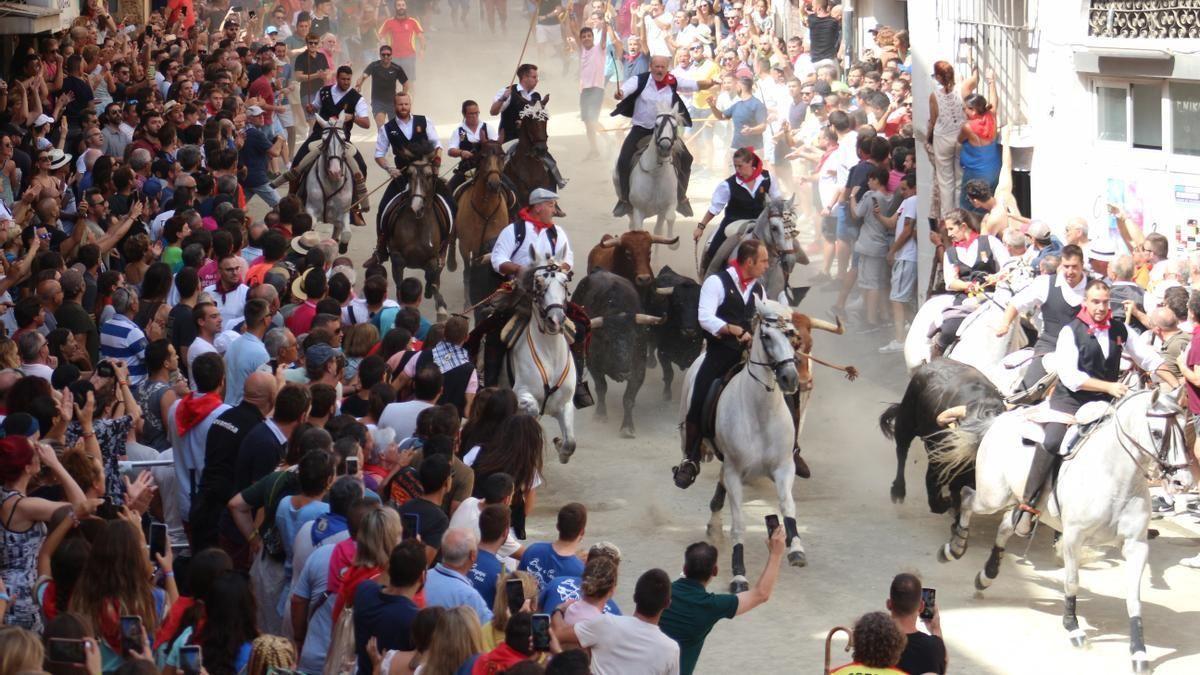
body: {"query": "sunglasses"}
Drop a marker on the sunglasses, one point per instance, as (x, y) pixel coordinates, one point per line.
(385, 53)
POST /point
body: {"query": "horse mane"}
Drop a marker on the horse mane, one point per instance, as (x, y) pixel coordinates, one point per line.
(421, 149)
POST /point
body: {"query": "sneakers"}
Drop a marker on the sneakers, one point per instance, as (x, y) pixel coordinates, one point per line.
(1161, 505)
(892, 347)
(1192, 562)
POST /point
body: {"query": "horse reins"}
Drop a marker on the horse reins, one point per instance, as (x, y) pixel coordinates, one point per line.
(1160, 458)
(773, 365)
(548, 390)
(328, 158)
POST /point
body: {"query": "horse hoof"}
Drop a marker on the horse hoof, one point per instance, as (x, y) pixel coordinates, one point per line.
(797, 559)
(1141, 664)
(601, 417)
(898, 493)
(943, 554)
(982, 583)
(739, 586)
(1078, 638)
(628, 432)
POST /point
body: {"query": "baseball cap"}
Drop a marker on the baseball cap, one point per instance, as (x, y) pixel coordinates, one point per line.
(42, 120)
(254, 111)
(1039, 230)
(319, 354)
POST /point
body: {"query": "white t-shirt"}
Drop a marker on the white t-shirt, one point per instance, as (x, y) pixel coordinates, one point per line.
(908, 210)
(626, 645)
(656, 36)
(199, 347)
(402, 417)
(466, 517)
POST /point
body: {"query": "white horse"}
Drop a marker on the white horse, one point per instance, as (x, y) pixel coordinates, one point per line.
(1101, 497)
(775, 227)
(653, 185)
(754, 431)
(329, 185)
(542, 370)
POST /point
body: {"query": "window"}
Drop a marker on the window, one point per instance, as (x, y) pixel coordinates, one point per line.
(1185, 118)
(1112, 118)
(1147, 116)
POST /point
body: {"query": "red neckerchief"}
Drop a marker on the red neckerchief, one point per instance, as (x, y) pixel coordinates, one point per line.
(225, 291)
(743, 281)
(538, 225)
(758, 169)
(668, 81)
(966, 243)
(1093, 326)
(193, 409)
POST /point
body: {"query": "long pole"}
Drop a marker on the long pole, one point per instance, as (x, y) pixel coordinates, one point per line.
(533, 16)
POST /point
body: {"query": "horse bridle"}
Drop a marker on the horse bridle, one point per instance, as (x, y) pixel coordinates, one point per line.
(544, 312)
(328, 157)
(773, 365)
(1160, 457)
(664, 120)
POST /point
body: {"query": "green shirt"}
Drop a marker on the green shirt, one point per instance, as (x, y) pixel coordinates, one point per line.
(692, 614)
(173, 256)
(268, 491)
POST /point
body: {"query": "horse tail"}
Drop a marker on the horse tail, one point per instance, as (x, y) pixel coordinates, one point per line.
(887, 421)
(955, 448)
(452, 263)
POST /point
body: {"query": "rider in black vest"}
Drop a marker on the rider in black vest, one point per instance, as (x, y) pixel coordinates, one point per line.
(463, 148)
(348, 101)
(512, 101)
(639, 98)
(962, 278)
(1059, 297)
(1088, 356)
(733, 195)
(727, 302)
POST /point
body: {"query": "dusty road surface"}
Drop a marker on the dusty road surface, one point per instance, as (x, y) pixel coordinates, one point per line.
(855, 538)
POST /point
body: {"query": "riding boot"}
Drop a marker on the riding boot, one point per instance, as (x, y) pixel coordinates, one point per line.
(1039, 471)
(685, 474)
(287, 177)
(793, 404)
(682, 174)
(360, 196)
(380, 255)
(555, 174)
(623, 207)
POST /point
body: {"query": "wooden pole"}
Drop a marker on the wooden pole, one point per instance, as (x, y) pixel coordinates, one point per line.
(532, 22)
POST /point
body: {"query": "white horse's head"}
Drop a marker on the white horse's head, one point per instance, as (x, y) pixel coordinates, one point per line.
(666, 129)
(772, 348)
(1160, 437)
(547, 285)
(776, 227)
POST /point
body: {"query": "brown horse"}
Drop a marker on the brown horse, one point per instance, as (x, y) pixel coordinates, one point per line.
(483, 210)
(420, 224)
(525, 169)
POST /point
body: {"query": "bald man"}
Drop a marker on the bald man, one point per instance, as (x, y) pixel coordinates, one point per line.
(1168, 338)
(217, 484)
(50, 294)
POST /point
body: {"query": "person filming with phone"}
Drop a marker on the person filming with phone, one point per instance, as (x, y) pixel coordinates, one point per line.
(907, 602)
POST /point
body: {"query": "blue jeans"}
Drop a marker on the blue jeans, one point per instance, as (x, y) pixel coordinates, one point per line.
(268, 194)
(846, 229)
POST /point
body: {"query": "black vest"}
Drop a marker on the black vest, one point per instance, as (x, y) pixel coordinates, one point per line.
(510, 115)
(329, 109)
(1092, 361)
(733, 310)
(625, 106)
(1056, 313)
(398, 140)
(472, 147)
(743, 205)
(454, 382)
(985, 262)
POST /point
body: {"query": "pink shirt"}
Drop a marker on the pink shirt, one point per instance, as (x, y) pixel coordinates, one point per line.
(591, 66)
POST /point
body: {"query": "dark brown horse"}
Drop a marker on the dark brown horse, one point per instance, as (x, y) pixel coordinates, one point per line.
(483, 210)
(526, 168)
(420, 224)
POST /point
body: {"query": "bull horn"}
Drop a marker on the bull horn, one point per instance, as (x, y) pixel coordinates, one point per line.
(822, 324)
(665, 291)
(951, 416)
(609, 241)
(669, 241)
(648, 320)
(597, 322)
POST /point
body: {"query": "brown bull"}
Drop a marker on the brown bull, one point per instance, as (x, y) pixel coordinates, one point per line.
(627, 256)
(803, 343)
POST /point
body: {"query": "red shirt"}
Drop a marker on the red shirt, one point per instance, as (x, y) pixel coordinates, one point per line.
(401, 34)
(300, 322)
(1193, 359)
(261, 88)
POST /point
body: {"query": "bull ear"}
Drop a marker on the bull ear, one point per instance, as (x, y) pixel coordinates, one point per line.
(545, 101)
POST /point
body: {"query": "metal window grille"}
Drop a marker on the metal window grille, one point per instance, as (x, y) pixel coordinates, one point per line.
(997, 35)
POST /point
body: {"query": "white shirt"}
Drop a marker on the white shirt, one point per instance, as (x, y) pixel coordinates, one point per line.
(908, 211)
(358, 312)
(721, 194)
(645, 109)
(198, 348)
(846, 156)
(968, 255)
(37, 370)
(466, 517)
(1066, 355)
(712, 294)
(1034, 295)
(506, 250)
(232, 304)
(524, 93)
(361, 109)
(402, 417)
(626, 645)
(383, 146)
(473, 136)
(657, 30)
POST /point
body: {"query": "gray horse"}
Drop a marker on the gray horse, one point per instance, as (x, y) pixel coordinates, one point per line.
(776, 228)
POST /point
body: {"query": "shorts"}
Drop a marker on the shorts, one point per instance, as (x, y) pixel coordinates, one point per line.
(548, 34)
(590, 100)
(829, 228)
(409, 64)
(904, 281)
(846, 229)
(276, 126)
(388, 108)
(872, 272)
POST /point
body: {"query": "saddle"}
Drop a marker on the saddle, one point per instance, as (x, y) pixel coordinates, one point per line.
(517, 323)
(1085, 421)
(708, 410)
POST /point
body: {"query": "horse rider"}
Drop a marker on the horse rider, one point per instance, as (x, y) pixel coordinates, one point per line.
(640, 102)
(510, 101)
(1088, 356)
(534, 227)
(970, 262)
(742, 196)
(403, 130)
(1059, 297)
(466, 142)
(331, 101)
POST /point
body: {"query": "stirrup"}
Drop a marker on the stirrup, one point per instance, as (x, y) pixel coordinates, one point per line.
(1019, 517)
(802, 470)
(685, 474)
(583, 396)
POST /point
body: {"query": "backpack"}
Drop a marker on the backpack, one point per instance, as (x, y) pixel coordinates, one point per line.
(342, 657)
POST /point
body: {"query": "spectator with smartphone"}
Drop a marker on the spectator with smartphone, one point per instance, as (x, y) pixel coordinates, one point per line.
(432, 522)
(924, 652)
(630, 645)
(694, 611)
(517, 647)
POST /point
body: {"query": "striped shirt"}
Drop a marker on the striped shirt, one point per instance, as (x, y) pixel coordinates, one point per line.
(120, 338)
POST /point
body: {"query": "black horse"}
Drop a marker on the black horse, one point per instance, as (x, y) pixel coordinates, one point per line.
(935, 387)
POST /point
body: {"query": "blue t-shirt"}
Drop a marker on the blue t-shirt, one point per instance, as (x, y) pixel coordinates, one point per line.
(484, 574)
(311, 584)
(253, 156)
(746, 113)
(387, 618)
(289, 520)
(564, 589)
(545, 564)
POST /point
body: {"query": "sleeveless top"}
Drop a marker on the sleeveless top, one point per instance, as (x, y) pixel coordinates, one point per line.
(951, 114)
(1093, 362)
(397, 140)
(985, 262)
(734, 310)
(510, 115)
(18, 554)
(742, 205)
(1056, 313)
(154, 432)
(330, 108)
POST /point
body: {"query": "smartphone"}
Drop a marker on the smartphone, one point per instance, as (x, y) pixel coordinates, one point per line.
(64, 650)
(351, 466)
(158, 540)
(514, 591)
(772, 524)
(929, 595)
(411, 524)
(541, 632)
(132, 636)
(190, 661)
